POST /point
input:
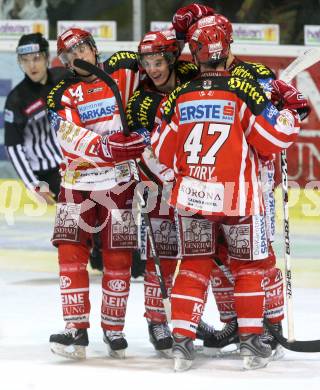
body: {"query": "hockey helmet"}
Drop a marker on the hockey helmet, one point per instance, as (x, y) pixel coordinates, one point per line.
(72, 38)
(226, 25)
(32, 43)
(208, 43)
(159, 42)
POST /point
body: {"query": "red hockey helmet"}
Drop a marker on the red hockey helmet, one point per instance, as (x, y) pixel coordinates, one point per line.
(213, 20)
(70, 39)
(160, 42)
(226, 25)
(208, 43)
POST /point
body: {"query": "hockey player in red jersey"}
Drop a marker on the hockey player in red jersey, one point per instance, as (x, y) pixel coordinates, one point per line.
(158, 53)
(214, 128)
(222, 287)
(96, 192)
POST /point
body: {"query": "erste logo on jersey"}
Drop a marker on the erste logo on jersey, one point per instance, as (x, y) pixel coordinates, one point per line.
(222, 111)
(96, 110)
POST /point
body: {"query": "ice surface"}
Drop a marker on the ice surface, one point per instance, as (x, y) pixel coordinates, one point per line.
(30, 311)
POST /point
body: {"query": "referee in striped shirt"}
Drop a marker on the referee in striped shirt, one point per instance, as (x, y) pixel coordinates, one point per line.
(30, 142)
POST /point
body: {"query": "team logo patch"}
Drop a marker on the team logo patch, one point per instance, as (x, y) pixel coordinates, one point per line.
(117, 285)
(124, 229)
(200, 195)
(165, 237)
(8, 116)
(95, 90)
(198, 237)
(98, 109)
(271, 113)
(248, 88)
(238, 239)
(66, 223)
(65, 282)
(216, 282)
(286, 119)
(35, 106)
(222, 111)
(207, 84)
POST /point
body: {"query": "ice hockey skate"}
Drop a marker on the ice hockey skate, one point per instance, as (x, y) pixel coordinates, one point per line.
(116, 343)
(71, 343)
(160, 337)
(216, 344)
(204, 330)
(278, 351)
(256, 354)
(183, 352)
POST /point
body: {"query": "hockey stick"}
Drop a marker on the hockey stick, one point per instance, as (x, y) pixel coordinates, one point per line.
(296, 346)
(304, 61)
(102, 75)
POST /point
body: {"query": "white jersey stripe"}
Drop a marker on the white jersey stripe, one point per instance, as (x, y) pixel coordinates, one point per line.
(242, 180)
(254, 180)
(242, 110)
(22, 166)
(269, 137)
(251, 122)
(73, 290)
(190, 326)
(186, 297)
(249, 322)
(117, 294)
(162, 137)
(250, 294)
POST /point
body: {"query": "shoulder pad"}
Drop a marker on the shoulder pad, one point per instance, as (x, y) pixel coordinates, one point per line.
(249, 91)
(186, 70)
(121, 60)
(262, 71)
(142, 108)
(253, 71)
(171, 101)
(55, 95)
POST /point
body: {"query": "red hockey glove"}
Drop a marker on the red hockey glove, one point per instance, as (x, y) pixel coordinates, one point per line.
(187, 16)
(119, 148)
(284, 95)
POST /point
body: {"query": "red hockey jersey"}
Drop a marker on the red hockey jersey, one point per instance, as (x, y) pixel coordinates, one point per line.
(92, 106)
(213, 130)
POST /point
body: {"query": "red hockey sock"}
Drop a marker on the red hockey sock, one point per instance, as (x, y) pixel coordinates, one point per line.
(152, 294)
(115, 288)
(74, 284)
(189, 294)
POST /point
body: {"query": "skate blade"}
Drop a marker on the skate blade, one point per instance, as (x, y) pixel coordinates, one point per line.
(278, 353)
(165, 353)
(119, 354)
(181, 364)
(211, 352)
(254, 362)
(76, 352)
(232, 349)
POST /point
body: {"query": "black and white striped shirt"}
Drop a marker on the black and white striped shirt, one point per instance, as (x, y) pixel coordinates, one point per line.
(30, 142)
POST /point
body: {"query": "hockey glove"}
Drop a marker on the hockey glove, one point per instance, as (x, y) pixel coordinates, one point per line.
(187, 16)
(284, 95)
(145, 134)
(119, 148)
